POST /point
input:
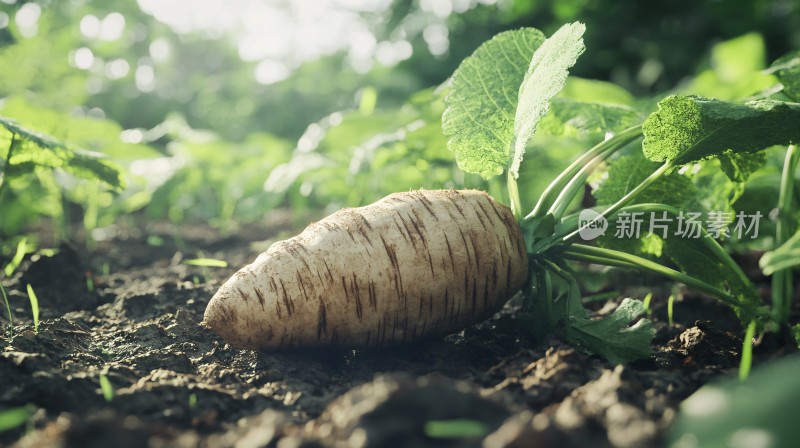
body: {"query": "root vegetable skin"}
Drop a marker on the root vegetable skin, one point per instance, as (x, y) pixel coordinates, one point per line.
(412, 265)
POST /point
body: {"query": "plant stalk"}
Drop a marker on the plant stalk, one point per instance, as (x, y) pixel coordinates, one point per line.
(513, 196)
(602, 149)
(631, 195)
(711, 244)
(782, 282)
(576, 183)
(580, 252)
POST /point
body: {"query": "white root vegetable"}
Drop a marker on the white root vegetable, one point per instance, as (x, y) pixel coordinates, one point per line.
(409, 266)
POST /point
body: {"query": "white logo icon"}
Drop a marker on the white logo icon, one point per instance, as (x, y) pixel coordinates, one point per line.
(591, 224)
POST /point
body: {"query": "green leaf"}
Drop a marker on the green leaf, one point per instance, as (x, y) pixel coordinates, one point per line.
(546, 76)
(760, 411)
(738, 166)
(33, 149)
(626, 172)
(613, 337)
(685, 129)
(481, 107)
(784, 257)
(34, 308)
(787, 68)
(587, 117)
(76, 131)
(700, 191)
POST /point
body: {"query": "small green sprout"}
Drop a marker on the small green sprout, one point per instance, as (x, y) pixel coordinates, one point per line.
(192, 400)
(89, 282)
(106, 388)
(455, 429)
(155, 241)
(207, 262)
(18, 256)
(670, 306)
(646, 303)
(14, 417)
(8, 310)
(747, 352)
(34, 308)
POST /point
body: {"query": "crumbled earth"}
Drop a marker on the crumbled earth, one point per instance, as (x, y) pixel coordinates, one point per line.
(130, 312)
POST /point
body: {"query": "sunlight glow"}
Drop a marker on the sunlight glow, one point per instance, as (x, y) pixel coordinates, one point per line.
(145, 78)
(90, 26)
(118, 68)
(112, 26)
(282, 35)
(27, 19)
(270, 71)
(83, 58)
(159, 50)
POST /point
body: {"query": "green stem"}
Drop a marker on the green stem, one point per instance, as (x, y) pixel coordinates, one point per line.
(747, 352)
(782, 282)
(8, 310)
(591, 254)
(513, 196)
(631, 195)
(602, 150)
(711, 244)
(3, 180)
(577, 182)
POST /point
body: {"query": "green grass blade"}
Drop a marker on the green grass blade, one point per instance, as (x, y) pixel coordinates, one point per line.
(670, 307)
(18, 256)
(207, 262)
(8, 310)
(34, 308)
(747, 352)
(782, 283)
(646, 303)
(106, 388)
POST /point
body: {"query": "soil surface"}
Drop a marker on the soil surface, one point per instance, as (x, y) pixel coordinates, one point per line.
(129, 310)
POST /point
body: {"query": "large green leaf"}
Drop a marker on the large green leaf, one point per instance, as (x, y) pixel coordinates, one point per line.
(85, 132)
(500, 93)
(481, 107)
(685, 129)
(546, 76)
(33, 149)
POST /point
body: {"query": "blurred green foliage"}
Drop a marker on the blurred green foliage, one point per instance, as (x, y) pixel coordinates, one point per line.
(197, 137)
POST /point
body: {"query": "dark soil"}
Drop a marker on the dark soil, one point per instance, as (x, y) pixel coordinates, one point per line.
(176, 384)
